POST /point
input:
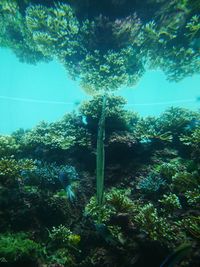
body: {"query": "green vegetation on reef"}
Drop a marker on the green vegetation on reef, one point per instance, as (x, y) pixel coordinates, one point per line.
(149, 201)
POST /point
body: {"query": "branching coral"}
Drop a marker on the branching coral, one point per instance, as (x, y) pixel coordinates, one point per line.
(177, 120)
(170, 202)
(193, 141)
(64, 134)
(192, 226)
(61, 236)
(157, 228)
(8, 146)
(116, 117)
(183, 181)
(148, 130)
(116, 200)
(11, 169)
(193, 197)
(151, 184)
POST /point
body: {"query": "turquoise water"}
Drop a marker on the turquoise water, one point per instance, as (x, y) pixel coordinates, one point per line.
(32, 93)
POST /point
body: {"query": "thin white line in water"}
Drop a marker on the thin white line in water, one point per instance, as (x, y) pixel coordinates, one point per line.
(30, 100)
(35, 100)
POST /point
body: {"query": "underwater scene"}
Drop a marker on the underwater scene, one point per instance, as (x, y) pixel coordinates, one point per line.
(100, 133)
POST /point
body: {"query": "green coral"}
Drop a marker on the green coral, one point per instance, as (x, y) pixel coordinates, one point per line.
(182, 181)
(99, 214)
(155, 226)
(116, 200)
(167, 170)
(192, 141)
(8, 146)
(193, 197)
(170, 202)
(149, 129)
(116, 117)
(62, 236)
(119, 200)
(11, 169)
(192, 226)
(64, 134)
(176, 120)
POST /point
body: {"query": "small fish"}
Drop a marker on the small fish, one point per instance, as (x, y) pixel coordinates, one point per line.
(182, 251)
(64, 178)
(145, 141)
(77, 103)
(70, 194)
(84, 120)
(66, 183)
(198, 98)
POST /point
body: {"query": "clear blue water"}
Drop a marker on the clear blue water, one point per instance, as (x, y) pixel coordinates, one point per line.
(30, 94)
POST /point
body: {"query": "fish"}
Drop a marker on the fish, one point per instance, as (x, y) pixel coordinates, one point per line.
(84, 120)
(179, 253)
(66, 183)
(77, 102)
(70, 194)
(64, 178)
(145, 141)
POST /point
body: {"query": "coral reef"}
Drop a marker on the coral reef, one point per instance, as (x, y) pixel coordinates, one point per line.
(150, 206)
